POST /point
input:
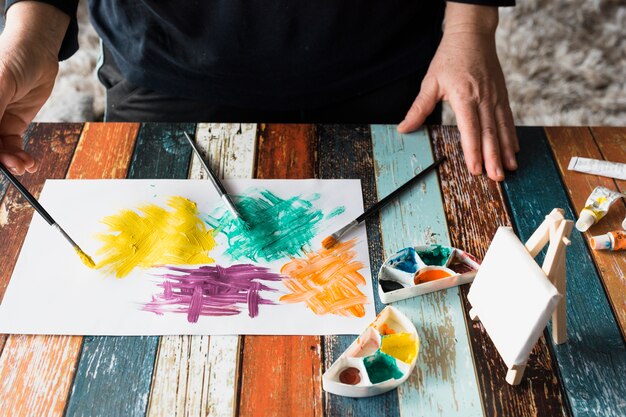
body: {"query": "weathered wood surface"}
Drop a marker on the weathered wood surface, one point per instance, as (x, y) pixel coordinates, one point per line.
(197, 375)
(4, 183)
(345, 151)
(444, 382)
(104, 151)
(114, 374)
(475, 208)
(293, 362)
(592, 364)
(52, 145)
(35, 371)
(578, 141)
(612, 144)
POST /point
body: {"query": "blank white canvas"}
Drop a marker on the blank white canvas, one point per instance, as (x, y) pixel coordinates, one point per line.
(51, 292)
(512, 297)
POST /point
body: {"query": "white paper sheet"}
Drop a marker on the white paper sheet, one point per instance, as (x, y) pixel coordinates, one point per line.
(51, 292)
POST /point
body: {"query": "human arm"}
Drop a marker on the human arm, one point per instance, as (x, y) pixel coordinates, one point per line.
(29, 49)
(465, 71)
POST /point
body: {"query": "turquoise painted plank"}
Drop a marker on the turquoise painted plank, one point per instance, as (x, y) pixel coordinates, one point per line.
(345, 151)
(114, 374)
(592, 363)
(444, 383)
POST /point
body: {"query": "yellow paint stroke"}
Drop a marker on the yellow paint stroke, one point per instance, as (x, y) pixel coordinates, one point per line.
(402, 346)
(327, 281)
(155, 236)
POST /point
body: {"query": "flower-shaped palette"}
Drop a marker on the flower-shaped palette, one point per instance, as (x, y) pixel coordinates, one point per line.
(379, 360)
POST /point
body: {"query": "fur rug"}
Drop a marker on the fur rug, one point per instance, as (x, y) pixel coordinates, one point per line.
(564, 61)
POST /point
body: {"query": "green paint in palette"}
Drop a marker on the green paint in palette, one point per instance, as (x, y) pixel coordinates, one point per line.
(381, 367)
(435, 255)
(277, 227)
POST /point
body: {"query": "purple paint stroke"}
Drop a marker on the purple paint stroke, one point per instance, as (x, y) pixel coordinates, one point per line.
(212, 290)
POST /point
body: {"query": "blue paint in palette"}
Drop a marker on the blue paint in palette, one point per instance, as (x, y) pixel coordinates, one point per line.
(405, 260)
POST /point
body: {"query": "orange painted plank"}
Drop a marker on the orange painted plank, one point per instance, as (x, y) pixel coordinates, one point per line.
(281, 375)
(37, 371)
(612, 143)
(578, 141)
(104, 151)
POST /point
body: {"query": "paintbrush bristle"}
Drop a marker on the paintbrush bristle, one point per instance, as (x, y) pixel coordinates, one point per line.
(329, 242)
(85, 258)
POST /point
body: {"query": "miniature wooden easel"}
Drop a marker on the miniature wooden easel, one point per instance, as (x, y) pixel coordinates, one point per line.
(555, 231)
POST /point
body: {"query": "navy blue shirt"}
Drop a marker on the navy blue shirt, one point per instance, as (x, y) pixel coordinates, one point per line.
(276, 54)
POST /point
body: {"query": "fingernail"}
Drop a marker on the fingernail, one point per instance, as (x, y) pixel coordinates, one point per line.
(499, 173)
(402, 124)
(477, 169)
(512, 163)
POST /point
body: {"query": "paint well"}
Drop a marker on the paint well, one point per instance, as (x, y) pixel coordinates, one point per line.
(405, 260)
(153, 235)
(427, 275)
(436, 255)
(327, 281)
(381, 367)
(350, 376)
(402, 346)
(212, 291)
(277, 227)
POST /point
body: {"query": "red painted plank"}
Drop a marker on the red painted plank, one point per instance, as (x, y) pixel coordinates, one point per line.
(281, 375)
(578, 141)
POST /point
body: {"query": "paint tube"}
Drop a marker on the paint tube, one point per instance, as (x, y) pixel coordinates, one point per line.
(598, 167)
(596, 207)
(611, 241)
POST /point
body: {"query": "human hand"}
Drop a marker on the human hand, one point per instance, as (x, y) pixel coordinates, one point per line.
(466, 72)
(29, 47)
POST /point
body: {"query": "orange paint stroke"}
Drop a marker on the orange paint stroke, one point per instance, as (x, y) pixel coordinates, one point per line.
(152, 235)
(327, 281)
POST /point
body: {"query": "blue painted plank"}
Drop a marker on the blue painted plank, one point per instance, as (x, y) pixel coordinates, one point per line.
(114, 374)
(444, 383)
(346, 152)
(592, 363)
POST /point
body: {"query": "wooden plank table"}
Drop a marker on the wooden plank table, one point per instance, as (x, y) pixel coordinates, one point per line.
(459, 373)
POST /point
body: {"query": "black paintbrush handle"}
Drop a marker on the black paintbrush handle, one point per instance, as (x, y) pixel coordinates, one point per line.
(382, 203)
(27, 195)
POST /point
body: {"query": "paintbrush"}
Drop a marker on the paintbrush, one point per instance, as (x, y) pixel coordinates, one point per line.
(331, 240)
(39, 208)
(217, 183)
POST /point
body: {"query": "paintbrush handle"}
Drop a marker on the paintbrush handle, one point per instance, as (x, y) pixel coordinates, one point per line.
(216, 182)
(382, 203)
(27, 195)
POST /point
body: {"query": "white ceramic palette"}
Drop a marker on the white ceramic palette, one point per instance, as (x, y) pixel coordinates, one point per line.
(379, 360)
(420, 270)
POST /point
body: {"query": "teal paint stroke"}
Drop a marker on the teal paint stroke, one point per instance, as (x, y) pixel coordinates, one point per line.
(276, 228)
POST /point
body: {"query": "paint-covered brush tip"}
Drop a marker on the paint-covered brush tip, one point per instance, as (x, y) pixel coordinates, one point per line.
(329, 242)
(85, 258)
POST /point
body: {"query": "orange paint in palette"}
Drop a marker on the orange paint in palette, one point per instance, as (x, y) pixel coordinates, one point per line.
(431, 274)
(380, 359)
(327, 281)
